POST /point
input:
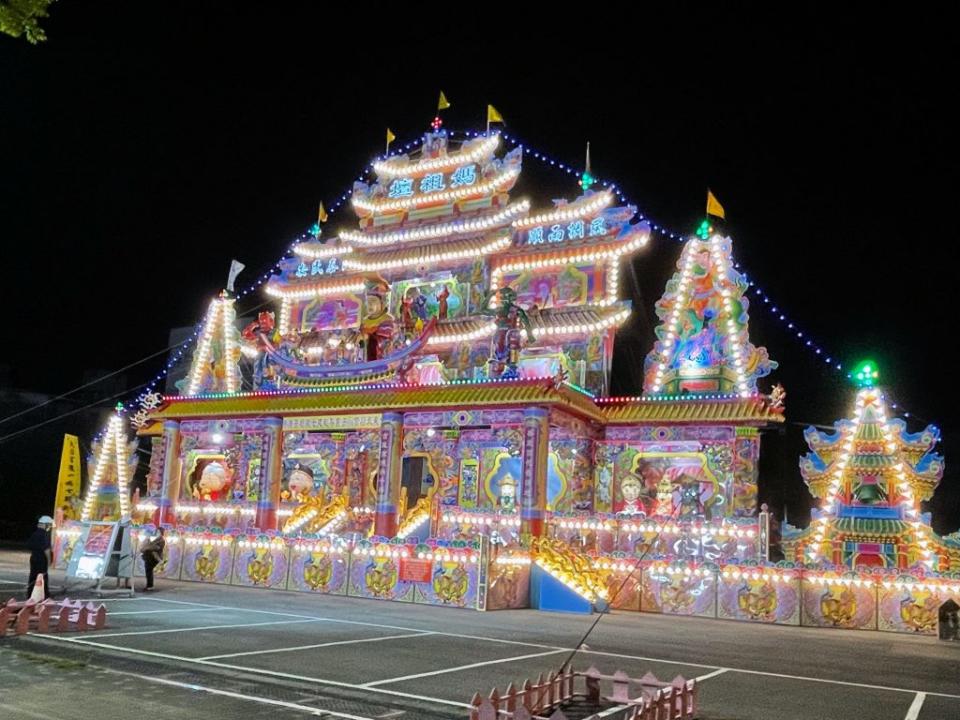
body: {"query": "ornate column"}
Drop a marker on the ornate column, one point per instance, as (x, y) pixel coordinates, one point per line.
(533, 491)
(272, 475)
(170, 491)
(388, 474)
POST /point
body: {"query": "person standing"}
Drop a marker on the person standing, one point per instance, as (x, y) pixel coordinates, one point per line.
(152, 552)
(41, 555)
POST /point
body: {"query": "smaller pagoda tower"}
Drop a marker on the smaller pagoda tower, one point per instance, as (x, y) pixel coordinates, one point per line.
(703, 343)
(870, 475)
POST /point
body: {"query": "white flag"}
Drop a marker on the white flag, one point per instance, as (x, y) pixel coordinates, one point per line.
(235, 269)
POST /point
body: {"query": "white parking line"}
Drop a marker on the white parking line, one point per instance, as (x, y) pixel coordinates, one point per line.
(317, 645)
(255, 671)
(317, 712)
(155, 612)
(719, 671)
(459, 668)
(200, 627)
(914, 712)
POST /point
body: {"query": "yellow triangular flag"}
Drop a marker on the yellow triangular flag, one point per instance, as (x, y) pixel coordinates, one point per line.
(322, 215)
(390, 136)
(493, 115)
(713, 207)
(443, 103)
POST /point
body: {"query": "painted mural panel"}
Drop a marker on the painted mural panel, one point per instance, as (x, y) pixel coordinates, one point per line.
(910, 608)
(452, 583)
(377, 575)
(260, 564)
(207, 560)
(676, 593)
(839, 602)
(509, 586)
(558, 287)
(754, 596)
(318, 570)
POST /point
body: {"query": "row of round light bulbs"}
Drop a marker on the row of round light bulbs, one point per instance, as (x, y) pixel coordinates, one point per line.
(499, 243)
(456, 227)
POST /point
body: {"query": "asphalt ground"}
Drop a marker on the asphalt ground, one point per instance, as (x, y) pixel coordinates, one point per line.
(190, 649)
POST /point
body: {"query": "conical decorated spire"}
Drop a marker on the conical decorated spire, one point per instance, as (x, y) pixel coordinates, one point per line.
(110, 470)
(871, 476)
(703, 343)
(215, 366)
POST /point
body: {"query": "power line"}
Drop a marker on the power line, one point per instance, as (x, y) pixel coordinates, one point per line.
(70, 412)
(92, 382)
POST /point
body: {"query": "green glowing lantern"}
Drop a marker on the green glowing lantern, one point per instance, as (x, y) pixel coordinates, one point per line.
(703, 232)
(866, 374)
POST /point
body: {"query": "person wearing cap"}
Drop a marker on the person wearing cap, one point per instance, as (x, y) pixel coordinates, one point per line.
(41, 554)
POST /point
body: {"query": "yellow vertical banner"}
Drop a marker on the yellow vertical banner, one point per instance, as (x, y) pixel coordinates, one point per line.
(68, 481)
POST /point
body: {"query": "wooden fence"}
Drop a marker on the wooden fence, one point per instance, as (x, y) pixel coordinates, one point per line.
(646, 698)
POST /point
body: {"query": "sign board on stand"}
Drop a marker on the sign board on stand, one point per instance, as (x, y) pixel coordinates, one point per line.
(103, 550)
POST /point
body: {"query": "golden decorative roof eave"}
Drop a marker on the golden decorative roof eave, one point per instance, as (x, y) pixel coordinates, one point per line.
(752, 411)
(380, 398)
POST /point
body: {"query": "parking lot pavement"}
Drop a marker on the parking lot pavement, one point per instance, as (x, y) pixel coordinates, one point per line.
(240, 647)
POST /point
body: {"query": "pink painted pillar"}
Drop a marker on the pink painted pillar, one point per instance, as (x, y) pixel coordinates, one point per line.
(533, 491)
(388, 474)
(273, 471)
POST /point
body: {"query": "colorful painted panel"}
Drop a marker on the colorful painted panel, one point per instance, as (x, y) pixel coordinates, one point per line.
(207, 560)
(326, 313)
(452, 583)
(264, 566)
(312, 465)
(469, 483)
(569, 472)
(508, 586)
(418, 301)
(64, 541)
(439, 450)
(752, 598)
(839, 603)
(668, 480)
(624, 589)
(910, 609)
(318, 571)
(675, 593)
(558, 287)
(378, 577)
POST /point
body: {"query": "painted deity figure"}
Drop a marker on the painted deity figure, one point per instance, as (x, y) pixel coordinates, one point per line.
(299, 482)
(508, 493)
(631, 489)
(509, 318)
(377, 325)
(253, 336)
(443, 308)
(214, 483)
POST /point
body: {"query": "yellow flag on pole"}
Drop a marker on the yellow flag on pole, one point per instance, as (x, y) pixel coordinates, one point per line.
(713, 207)
(442, 103)
(68, 481)
(322, 214)
(390, 138)
(493, 115)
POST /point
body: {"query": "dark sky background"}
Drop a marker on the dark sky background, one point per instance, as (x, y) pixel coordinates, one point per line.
(145, 144)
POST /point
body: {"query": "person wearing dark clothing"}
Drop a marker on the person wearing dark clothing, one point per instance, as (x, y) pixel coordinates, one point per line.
(152, 552)
(41, 555)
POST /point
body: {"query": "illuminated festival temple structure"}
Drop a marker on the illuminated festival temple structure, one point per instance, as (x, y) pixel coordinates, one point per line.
(871, 476)
(425, 416)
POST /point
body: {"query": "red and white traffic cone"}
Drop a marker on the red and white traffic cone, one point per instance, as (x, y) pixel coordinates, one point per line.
(39, 590)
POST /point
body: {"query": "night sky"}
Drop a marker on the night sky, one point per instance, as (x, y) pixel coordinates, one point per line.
(146, 144)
